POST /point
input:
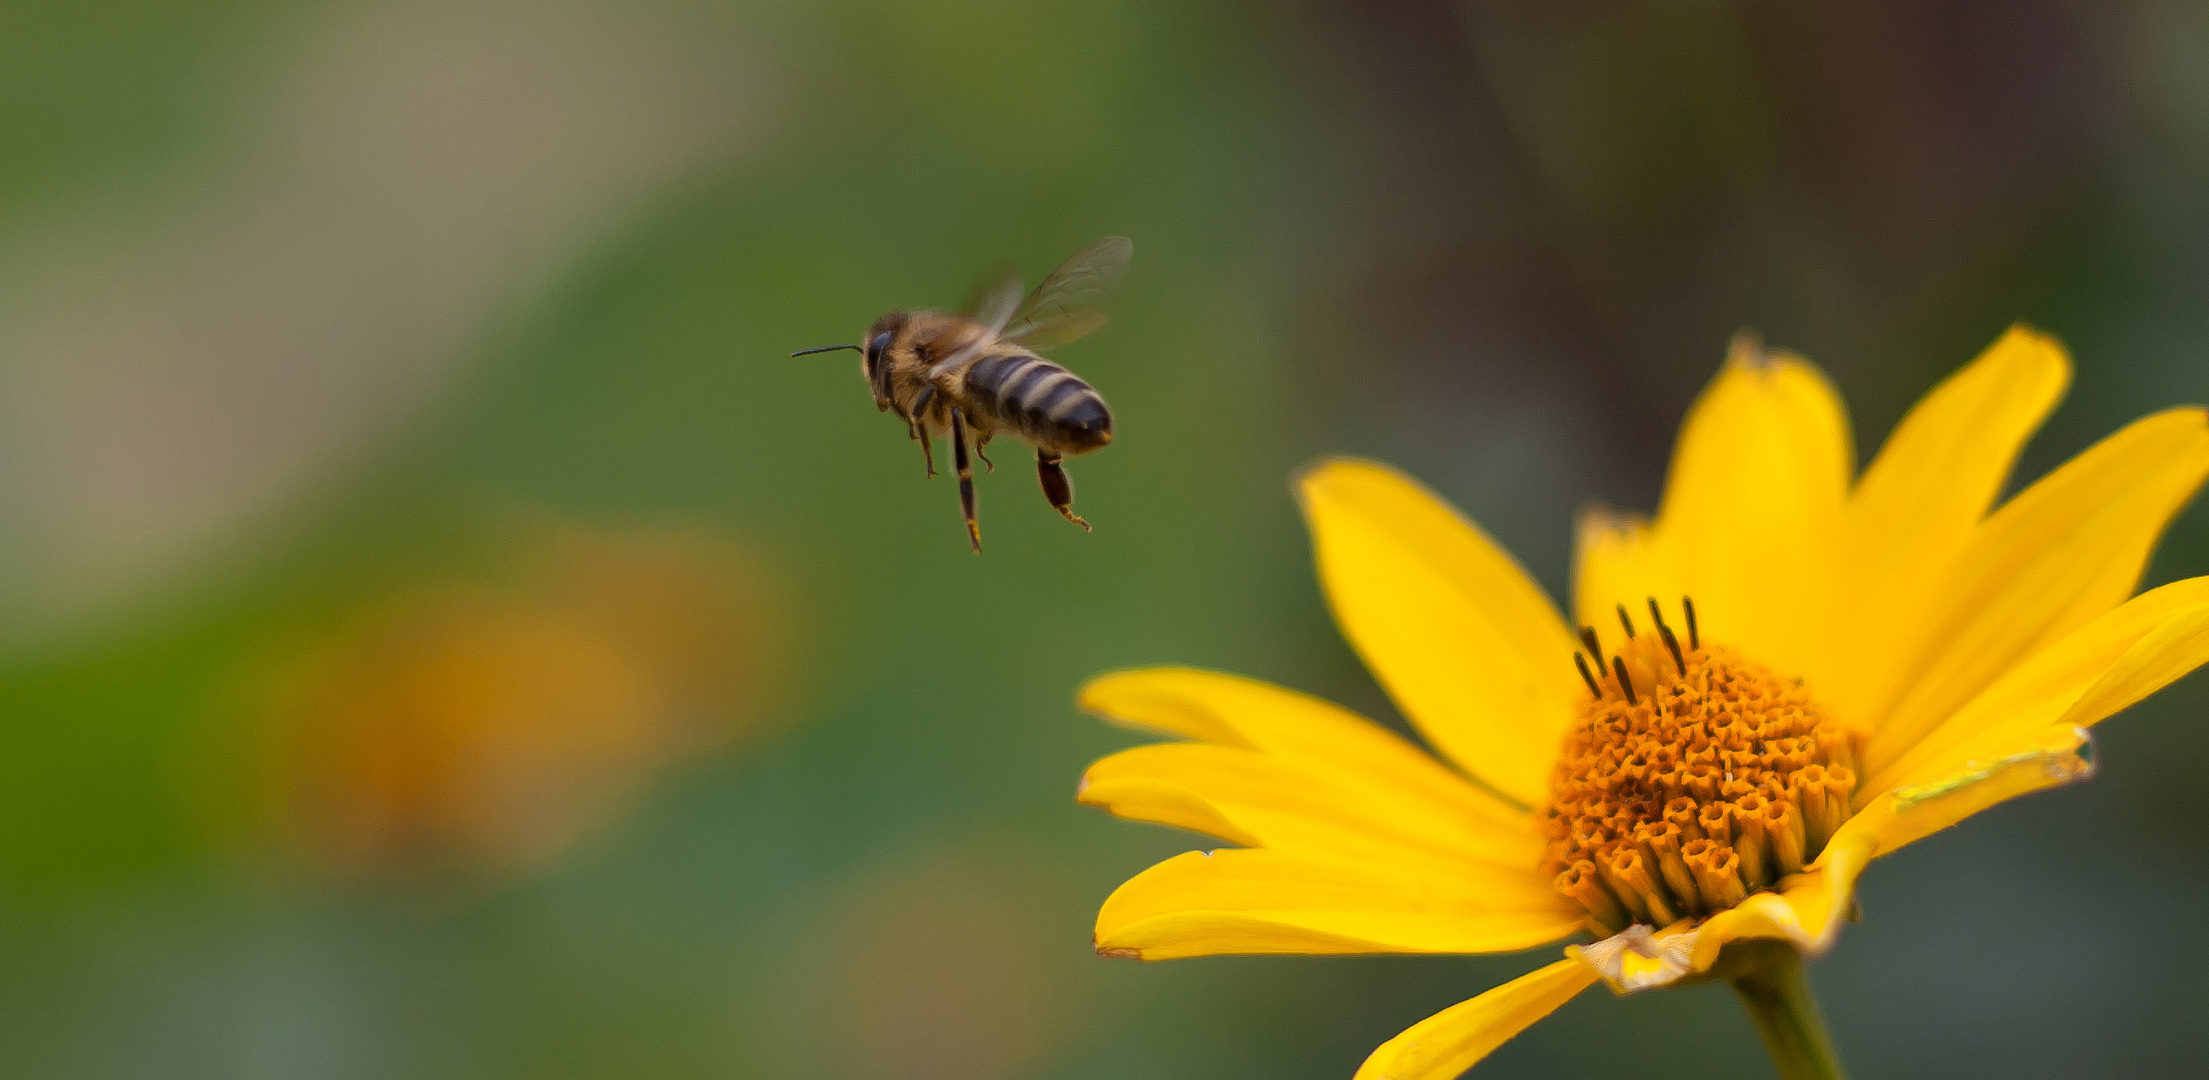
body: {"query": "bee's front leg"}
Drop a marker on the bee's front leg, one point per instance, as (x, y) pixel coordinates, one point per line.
(917, 424)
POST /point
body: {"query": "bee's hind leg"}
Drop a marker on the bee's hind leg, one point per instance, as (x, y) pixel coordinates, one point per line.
(1057, 488)
(978, 445)
(917, 422)
(966, 478)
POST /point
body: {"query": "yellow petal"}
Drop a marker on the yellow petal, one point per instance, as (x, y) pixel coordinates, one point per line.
(1261, 901)
(1298, 730)
(1915, 508)
(1616, 560)
(1753, 504)
(2065, 551)
(1444, 1045)
(2007, 760)
(2165, 655)
(1461, 638)
(2128, 653)
(2048, 758)
(1259, 801)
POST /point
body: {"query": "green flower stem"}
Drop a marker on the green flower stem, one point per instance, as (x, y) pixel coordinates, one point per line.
(1773, 989)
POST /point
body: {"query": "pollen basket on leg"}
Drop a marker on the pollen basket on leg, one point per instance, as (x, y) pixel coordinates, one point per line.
(1693, 777)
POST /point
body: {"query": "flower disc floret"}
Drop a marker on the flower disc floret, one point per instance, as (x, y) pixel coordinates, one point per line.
(1691, 778)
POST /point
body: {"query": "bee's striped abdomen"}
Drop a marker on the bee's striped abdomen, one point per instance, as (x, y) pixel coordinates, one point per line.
(1041, 401)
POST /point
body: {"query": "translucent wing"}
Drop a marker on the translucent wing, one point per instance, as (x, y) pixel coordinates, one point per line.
(990, 308)
(1065, 306)
(996, 297)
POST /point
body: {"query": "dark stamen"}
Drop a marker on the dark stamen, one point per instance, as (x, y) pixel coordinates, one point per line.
(1618, 665)
(1587, 676)
(1587, 638)
(1694, 640)
(1672, 643)
(1624, 621)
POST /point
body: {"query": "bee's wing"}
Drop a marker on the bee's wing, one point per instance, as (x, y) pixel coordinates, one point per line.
(1065, 306)
(993, 304)
(996, 297)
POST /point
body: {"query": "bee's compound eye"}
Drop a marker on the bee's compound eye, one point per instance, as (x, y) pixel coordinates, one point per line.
(875, 348)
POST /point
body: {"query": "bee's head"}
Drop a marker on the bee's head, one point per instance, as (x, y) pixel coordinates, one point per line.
(875, 355)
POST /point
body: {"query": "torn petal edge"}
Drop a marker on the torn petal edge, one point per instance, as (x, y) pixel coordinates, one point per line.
(2063, 765)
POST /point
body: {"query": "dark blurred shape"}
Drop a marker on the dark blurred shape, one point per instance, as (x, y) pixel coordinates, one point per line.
(1592, 198)
(484, 725)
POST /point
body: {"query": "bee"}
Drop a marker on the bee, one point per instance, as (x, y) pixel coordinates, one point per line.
(976, 375)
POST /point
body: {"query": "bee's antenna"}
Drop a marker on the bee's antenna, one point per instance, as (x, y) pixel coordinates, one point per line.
(826, 348)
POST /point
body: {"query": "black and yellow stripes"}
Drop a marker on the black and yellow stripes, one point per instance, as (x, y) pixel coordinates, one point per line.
(1043, 402)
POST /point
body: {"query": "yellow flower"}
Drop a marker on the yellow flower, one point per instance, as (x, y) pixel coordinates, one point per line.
(481, 725)
(1791, 671)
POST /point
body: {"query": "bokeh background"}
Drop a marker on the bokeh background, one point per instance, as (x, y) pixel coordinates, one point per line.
(445, 638)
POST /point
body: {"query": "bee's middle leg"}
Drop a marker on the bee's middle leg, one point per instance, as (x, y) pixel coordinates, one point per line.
(966, 478)
(1057, 488)
(978, 445)
(918, 423)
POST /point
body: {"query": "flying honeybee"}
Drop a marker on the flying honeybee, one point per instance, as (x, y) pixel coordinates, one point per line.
(976, 375)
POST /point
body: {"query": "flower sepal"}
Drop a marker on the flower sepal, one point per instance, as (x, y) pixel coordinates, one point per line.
(1642, 957)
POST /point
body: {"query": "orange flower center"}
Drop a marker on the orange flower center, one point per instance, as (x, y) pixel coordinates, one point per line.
(1693, 777)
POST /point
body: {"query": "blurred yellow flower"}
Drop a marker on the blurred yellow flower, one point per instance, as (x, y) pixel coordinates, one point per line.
(485, 725)
(1791, 671)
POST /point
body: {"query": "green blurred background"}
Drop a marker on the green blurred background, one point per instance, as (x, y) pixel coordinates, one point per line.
(446, 639)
